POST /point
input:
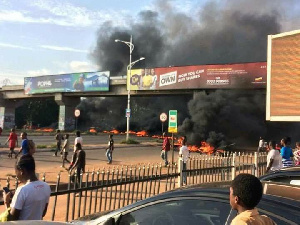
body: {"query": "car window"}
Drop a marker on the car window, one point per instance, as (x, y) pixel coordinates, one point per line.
(291, 179)
(179, 212)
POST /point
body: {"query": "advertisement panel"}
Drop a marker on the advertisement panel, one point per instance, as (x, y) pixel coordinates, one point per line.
(283, 93)
(245, 75)
(74, 82)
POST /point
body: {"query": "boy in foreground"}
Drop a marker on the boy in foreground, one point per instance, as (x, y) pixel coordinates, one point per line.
(245, 193)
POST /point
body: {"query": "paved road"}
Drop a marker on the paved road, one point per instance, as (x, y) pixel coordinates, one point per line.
(146, 152)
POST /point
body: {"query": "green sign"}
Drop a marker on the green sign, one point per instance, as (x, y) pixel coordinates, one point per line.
(172, 121)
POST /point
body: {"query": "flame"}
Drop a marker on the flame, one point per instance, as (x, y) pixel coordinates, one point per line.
(131, 132)
(179, 142)
(93, 130)
(105, 131)
(142, 133)
(193, 148)
(114, 131)
(45, 129)
(206, 148)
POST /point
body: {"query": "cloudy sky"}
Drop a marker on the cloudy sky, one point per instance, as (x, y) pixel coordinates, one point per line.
(41, 37)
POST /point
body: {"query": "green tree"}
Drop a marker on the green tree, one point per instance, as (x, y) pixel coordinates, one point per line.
(42, 112)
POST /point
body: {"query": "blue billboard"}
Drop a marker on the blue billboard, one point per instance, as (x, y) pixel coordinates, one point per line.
(74, 82)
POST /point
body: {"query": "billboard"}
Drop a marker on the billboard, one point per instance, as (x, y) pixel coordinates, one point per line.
(74, 82)
(230, 76)
(283, 93)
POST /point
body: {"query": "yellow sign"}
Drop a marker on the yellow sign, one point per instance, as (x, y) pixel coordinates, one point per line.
(141, 79)
(172, 129)
(134, 80)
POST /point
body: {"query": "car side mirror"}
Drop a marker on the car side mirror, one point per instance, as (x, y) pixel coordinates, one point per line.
(110, 221)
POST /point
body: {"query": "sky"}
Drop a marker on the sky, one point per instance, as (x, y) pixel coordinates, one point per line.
(42, 37)
(45, 37)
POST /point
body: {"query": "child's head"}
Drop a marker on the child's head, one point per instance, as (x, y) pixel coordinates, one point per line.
(297, 144)
(246, 191)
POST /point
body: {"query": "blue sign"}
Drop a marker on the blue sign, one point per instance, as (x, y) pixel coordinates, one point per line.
(127, 113)
(75, 82)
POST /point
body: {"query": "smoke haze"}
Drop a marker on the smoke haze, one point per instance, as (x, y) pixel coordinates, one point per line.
(217, 32)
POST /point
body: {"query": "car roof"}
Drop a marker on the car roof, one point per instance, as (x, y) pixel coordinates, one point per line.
(289, 171)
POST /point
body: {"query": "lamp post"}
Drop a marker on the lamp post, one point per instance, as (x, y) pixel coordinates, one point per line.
(131, 47)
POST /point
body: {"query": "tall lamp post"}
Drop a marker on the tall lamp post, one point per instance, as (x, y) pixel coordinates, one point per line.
(131, 47)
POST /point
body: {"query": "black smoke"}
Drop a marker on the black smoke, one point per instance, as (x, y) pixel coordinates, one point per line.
(218, 32)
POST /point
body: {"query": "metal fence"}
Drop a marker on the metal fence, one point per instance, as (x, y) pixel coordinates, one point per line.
(113, 188)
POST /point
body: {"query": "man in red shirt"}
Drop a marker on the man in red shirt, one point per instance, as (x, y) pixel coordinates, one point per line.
(165, 148)
(13, 140)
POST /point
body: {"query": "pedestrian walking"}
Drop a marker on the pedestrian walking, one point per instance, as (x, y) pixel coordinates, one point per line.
(286, 152)
(13, 142)
(246, 191)
(260, 145)
(30, 200)
(65, 150)
(165, 148)
(79, 165)
(184, 154)
(274, 159)
(24, 145)
(77, 140)
(110, 149)
(58, 137)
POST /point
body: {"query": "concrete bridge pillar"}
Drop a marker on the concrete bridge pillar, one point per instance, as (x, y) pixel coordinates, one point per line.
(7, 112)
(67, 105)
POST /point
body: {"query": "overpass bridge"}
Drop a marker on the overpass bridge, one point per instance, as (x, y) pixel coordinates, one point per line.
(11, 97)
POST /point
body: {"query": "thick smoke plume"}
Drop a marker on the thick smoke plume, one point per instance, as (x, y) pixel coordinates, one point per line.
(218, 32)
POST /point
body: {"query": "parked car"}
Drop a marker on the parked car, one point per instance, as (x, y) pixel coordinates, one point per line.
(289, 175)
(201, 205)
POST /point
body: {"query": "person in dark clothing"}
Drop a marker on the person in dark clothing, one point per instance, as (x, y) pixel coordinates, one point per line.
(110, 149)
(79, 164)
(58, 137)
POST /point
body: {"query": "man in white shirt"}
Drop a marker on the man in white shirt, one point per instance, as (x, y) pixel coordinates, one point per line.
(78, 139)
(30, 201)
(260, 145)
(274, 159)
(184, 153)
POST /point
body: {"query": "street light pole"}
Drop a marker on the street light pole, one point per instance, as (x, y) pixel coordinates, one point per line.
(131, 47)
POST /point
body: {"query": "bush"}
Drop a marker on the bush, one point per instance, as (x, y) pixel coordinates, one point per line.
(130, 141)
(41, 146)
(53, 146)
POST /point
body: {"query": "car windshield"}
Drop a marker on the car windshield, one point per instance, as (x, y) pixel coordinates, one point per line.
(178, 212)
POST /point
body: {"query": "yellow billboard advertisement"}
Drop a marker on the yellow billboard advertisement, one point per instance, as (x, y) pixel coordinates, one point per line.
(141, 79)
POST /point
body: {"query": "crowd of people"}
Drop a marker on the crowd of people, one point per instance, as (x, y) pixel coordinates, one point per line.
(26, 204)
(280, 156)
(30, 200)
